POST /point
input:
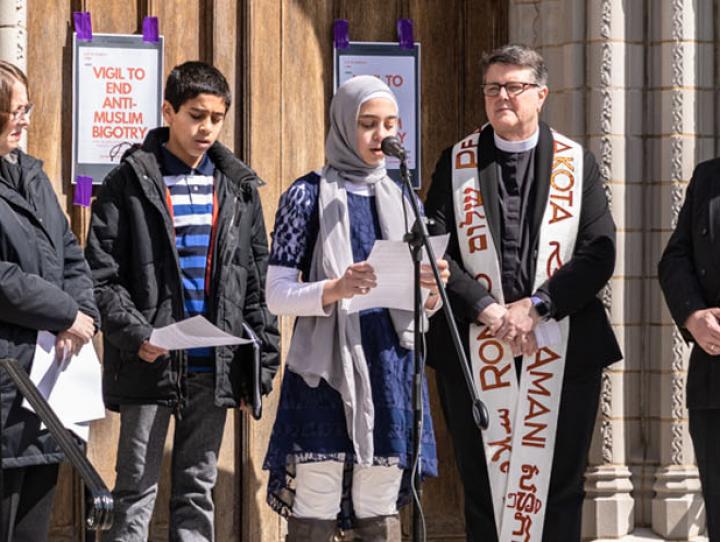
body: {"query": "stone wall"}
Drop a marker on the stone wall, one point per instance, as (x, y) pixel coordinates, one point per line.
(634, 80)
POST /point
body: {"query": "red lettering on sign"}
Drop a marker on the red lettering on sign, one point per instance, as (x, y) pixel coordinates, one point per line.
(559, 147)
(504, 446)
(536, 408)
(557, 183)
(472, 197)
(542, 357)
(554, 262)
(532, 437)
(524, 529)
(466, 159)
(138, 74)
(529, 471)
(566, 161)
(505, 420)
(491, 352)
(558, 212)
(477, 243)
(536, 385)
(469, 216)
(107, 72)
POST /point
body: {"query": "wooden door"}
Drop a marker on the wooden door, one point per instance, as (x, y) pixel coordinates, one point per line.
(277, 56)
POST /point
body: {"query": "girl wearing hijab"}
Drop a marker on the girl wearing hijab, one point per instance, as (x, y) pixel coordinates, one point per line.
(45, 284)
(341, 446)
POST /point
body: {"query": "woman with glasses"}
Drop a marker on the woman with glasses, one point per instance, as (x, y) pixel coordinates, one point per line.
(45, 284)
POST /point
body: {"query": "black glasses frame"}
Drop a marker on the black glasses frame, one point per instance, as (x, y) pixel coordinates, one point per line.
(22, 111)
(493, 90)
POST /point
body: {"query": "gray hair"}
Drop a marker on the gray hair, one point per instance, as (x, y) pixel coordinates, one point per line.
(516, 54)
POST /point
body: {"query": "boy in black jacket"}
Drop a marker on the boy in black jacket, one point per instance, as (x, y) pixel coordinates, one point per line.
(177, 230)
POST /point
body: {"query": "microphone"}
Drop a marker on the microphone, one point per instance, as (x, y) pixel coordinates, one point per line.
(391, 146)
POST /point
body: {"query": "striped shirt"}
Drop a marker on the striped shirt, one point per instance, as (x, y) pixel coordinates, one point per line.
(191, 196)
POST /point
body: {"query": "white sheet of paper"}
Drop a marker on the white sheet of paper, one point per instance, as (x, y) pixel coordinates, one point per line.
(82, 430)
(393, 267)
(195, 332)
(73, 389)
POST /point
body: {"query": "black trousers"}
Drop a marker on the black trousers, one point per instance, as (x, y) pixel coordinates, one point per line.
(27, 499)
(576, 420)
(705, 434)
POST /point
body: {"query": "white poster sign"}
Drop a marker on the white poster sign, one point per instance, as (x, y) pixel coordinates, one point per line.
(117, 99)
(400, 69)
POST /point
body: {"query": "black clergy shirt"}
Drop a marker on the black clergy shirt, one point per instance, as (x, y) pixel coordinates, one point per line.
(516, 172)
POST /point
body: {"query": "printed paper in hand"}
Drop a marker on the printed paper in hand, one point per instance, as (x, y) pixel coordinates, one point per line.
(72, 388)
(393, 266)
(195, 332)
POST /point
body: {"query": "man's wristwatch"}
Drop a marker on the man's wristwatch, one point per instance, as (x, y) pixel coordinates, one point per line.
(541, 307)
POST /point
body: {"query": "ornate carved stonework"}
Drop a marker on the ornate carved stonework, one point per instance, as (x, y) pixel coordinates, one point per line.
(677, 178)
(21, 43)
(606, 446)
(605, 172)
(13, 40)
(607, 105)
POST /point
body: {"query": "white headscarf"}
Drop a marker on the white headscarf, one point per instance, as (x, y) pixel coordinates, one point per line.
(341, 143)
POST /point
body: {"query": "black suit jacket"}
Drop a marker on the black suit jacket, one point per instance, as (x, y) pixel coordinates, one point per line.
(689, 273)
(573, 288)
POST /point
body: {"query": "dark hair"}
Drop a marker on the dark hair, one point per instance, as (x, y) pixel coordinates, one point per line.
(516, 54)
(190, 79)
(9, 75)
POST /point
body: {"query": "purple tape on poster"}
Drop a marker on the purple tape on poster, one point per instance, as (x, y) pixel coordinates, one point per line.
(150, 30)
(83, 191)
(341, 33)
(83, 25)
(405, 33)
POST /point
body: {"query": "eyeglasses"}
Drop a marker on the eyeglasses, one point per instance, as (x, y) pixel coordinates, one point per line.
(22, 111)
(514, 88)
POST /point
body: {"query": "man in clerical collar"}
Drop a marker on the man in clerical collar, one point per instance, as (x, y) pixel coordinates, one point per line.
(532, 243)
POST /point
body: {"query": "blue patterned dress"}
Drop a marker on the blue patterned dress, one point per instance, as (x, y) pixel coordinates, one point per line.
(310, 423)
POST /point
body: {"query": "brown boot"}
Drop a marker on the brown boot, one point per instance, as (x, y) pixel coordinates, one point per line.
(378, 529)
(311, 530)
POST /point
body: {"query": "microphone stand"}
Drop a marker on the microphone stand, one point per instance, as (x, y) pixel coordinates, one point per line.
(418, 238)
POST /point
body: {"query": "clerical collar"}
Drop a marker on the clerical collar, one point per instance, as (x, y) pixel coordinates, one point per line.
(517, 146)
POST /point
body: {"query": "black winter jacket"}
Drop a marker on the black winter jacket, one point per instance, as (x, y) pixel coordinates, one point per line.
(131, 251)
(44, 281)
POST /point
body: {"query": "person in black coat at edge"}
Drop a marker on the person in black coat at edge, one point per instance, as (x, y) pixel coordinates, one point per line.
(45, 284)
(515, 156)
(689, 273)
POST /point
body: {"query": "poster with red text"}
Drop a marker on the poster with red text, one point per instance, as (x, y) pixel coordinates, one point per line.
(117, 97)
(399, 69)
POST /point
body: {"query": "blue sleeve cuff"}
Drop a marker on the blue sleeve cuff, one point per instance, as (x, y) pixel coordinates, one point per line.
(546, 298)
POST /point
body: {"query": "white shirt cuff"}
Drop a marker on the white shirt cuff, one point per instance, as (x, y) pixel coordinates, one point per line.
(287, 296)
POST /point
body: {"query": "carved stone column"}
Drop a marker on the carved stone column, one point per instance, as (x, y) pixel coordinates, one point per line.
(13, 32)
(13, 37)
(683, 98)
(614, 127)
